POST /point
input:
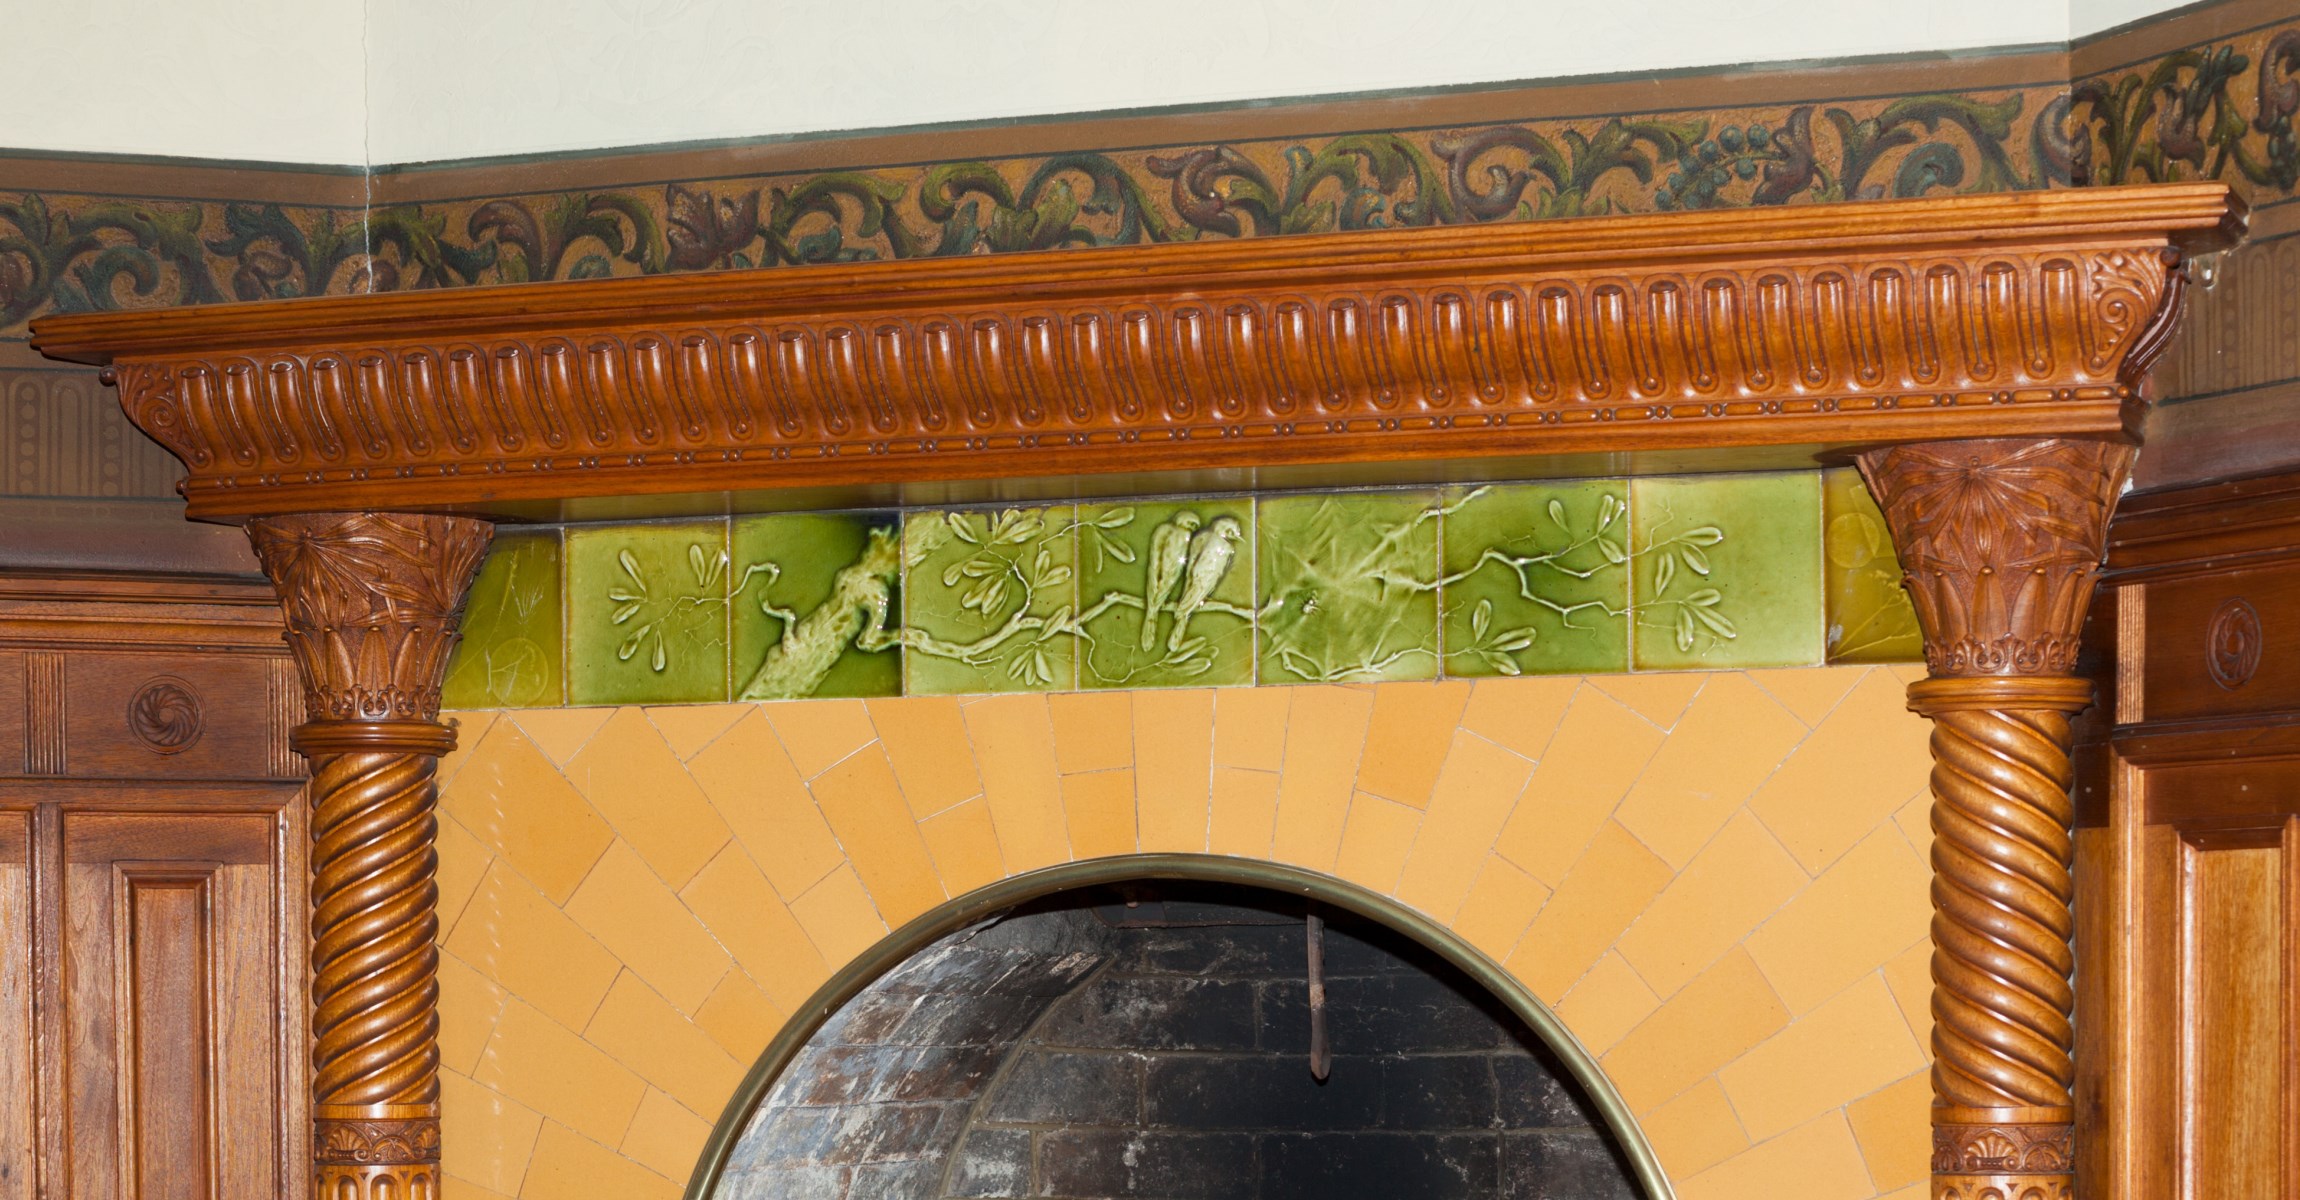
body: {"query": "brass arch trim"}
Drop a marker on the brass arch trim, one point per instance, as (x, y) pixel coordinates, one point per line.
(957, 914)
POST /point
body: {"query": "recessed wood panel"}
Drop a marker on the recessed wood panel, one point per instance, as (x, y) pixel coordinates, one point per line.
(144, 716)
(2223, 644)
(2233, 1023)
(11, 712)
(172, 994)
(18, 1156)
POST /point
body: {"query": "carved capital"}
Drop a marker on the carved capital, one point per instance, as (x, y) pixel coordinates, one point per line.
(2000, 542)
(372, 602)
(375, 1142)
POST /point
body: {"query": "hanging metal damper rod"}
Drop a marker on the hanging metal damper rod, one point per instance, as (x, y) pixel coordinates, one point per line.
(1321, 1055)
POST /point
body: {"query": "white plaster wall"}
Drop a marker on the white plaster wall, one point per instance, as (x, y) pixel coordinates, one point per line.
(269, 80)
(464, 78)
(2088, 17)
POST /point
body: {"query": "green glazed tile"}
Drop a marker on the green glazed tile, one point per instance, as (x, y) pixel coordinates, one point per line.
(1348, 587)
(814, 610)
(1193, 564)
(509, 655)
(1870, 617)
(1727, 571)
(1537, 579)
(990, 601)
(647, 614)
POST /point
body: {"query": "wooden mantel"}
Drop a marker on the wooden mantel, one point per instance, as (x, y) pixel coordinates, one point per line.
(1748, 337)
(1981, 357)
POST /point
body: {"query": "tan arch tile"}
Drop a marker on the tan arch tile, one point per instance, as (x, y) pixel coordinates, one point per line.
(1093, 731)
(1521, 713)
(1375, 842)
(749, 779)
(629, 774)
(1250, 727)
(1014, 750)
(1850, 1046)
(1695, 1131)
(688, 728)
(549, 1068)
(1174, 767)
(1245, 812)
(1739, 880)
(1099, 806)
(1848, 924)
(1717, 1017)
(819, 733)
(561, 732)
(1406, 739)
(964, 845)
(1600, 749)
(1819, 1155)
(664, 1136)
(514, 936)
(1605, 1004)
(639, 919)
(512, 799)
(485, 1137)
(1608, 887)
(1850, 775)
(735, 903)
(639, 1029)
(569, 1166)
(1326, 736)
(1500, 905)
(839, 917)
(926, 740)
(1727, 744)
(866, 811)
(1476, 791)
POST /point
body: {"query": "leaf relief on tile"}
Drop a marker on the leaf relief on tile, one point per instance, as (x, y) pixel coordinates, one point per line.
(991, 603)
(510, 649)
(1682, 602)
(1537, 579)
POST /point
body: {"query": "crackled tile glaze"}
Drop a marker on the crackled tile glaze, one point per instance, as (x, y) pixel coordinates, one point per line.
(1348, 587)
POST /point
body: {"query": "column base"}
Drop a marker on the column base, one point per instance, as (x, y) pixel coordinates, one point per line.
(376, 1157)
(2003, 1154)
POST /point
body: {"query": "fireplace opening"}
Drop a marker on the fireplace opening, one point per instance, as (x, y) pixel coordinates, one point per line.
(1155, 1041)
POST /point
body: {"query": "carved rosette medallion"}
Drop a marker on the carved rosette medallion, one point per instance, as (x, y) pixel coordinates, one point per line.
(372, 601)
(2232, 643)
(165, 716)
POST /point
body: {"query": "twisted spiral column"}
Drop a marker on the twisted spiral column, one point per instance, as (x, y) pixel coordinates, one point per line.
(2000, 543)
(2001, 927)
(371, 602)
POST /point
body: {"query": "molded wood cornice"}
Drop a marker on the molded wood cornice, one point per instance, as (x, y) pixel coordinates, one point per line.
(1801, 329)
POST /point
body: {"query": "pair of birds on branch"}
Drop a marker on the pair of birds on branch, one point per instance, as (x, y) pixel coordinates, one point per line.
(1191, 561)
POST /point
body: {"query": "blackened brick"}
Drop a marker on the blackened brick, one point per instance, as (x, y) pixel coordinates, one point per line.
(1108, 1163)
(1057, 1087)
(1384, 1165)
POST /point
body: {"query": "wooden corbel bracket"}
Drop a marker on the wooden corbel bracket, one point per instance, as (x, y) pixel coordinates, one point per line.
(1981, 357)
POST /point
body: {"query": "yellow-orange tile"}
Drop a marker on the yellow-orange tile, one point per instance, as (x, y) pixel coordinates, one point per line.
(1100, 808)
(1521, 714)
(517, 804)
(839, 918)
(751, 782)
(1819, 1155)
(925, 737)
(1093, 731)
(1250, 727)
(463, 862)
(1859, 765)
(629, 774)
(1706, 1025)
(1851, 921)
(1600, 749)
(1375, 842)
(656, 1042)
(545, 1066)
(1894, 1128)
(1614, 881)
(664, 1137)
(469, 1003)
(820, 732)
(1694, 1132)
(1173, 769)
(1605, 1004)
(560, 732)
(569, 1166)
(514, 937)
(1014, 749)
(687, 728)
(866, 810)
(964, 845)
(739, 1017)
(1809, 692)
(1910, 975)
(738, 907)
(485, 1137)
(634, 915)
(1476, 791)
(1325, 735)
(1851, 1046)
(1500, 904)
(1731, 740)
(469, 728)
(1406, 739)
(1741, 879)
(1661, 698)
(1245, 810)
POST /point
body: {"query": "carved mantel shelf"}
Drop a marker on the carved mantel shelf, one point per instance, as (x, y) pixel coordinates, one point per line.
(1751, 337)
(1983, 359)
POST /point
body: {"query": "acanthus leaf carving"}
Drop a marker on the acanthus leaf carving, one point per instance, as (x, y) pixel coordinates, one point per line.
(2000, 543)
(372, 602)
